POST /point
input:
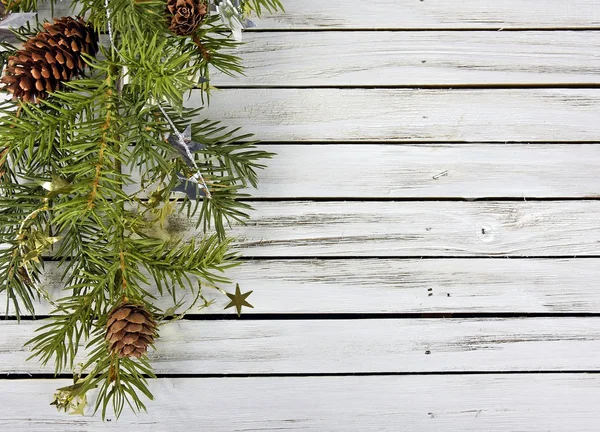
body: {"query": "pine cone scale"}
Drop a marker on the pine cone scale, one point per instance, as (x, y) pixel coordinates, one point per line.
(118, 326)
(136, 318)
(129, 330)
(121, 314)
(131, 327)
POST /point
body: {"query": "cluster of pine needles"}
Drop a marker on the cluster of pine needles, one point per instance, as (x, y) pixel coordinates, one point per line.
(86, 186)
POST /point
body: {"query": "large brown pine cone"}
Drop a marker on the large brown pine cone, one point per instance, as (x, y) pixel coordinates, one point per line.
(185, 16)
(129, 330)
(52, 56)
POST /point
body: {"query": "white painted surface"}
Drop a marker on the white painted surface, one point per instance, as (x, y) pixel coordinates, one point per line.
(417, 58)
(431, 171)
(429, 14)
(319, 346)
(411, 115)
(400, 286)
(389, 171)
(518, 228)
(468, 403)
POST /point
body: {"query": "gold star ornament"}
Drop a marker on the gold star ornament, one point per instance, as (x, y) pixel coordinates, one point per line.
(238, 300)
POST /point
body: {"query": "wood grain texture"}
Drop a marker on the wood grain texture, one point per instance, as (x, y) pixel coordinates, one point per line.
(352, 346)
(294, 229)
(400, 286)
(495, 403)
(431, 171)
(306, 171)
(409, 114)
(408, 14)
(417, 58)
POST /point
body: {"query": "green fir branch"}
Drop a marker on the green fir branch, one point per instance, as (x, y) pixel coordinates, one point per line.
(86, 177)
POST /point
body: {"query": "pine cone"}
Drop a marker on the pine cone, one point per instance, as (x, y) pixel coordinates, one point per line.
(48, 58)
(129, 330)
(185, 16)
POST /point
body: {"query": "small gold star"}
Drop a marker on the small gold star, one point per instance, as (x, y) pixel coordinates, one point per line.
(238, 300)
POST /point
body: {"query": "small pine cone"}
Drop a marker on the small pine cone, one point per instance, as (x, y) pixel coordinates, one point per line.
(46, 60)
(185, 16)
(129, 330)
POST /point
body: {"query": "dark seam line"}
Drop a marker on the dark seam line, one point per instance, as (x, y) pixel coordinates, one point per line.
(491, 86)
(415, 29)
(412, 142)
(387, 199)
(386, 316)
(422, 29)
(517, 199)
(394, 257)
(418, 199)
(38, 376)
(412, 257)
(349, 316)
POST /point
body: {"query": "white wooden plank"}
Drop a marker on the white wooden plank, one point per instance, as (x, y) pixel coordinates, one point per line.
(352, 346)
(409, 114)
(495, 403)
(417, 58)
(407, 229)
(407, 14)
(401, 286)
(432, 171)
(428, 171)
(294, 229)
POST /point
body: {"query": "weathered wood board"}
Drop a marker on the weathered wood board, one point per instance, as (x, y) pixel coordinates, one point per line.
(496, 115)
(291, 229)
(320, 286)
(417, 58)
(317, 15)
(445, 171)
(431, 171)
(408, 229)
(467, 403)
(427, 14)
(345, 346)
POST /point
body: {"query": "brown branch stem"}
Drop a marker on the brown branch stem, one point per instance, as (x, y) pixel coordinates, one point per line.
(202, 48)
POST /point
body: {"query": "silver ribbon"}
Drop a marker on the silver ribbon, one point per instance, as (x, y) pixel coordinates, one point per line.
(184, 145)
(232, 16)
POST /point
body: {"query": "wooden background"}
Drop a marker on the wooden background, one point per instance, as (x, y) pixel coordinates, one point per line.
(425, 248)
